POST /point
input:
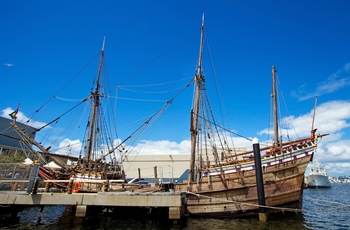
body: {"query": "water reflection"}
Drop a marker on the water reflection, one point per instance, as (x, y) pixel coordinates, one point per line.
(57, 217)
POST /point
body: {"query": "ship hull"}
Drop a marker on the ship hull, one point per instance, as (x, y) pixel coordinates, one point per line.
(235, 194)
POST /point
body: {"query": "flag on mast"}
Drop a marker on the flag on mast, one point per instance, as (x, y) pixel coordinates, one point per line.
(13, 115)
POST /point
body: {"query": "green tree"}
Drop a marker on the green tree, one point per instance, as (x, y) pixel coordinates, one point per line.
(11, 158)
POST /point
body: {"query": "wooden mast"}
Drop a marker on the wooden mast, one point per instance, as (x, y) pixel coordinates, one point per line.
(30, 139)
(95, 104)
(313, 116)
(313, 130)
(275, 116)
(199, 79)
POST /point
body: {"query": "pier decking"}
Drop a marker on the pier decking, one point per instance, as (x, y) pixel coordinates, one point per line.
(172, 202)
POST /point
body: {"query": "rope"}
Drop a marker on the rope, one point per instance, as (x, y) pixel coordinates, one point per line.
(230, 131)
(157, 57)
(61, 115)
(33, 115)
(272, 207)
(68, 99)
(151, 92)
(156, 84)
(136, 99)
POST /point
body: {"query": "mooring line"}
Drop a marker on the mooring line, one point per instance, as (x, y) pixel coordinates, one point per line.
(270, 207)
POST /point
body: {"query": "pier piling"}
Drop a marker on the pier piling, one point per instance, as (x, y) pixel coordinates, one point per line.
(259, 180)
(173, 202)
(33, 179)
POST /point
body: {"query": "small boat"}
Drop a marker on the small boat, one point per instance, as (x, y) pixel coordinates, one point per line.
(318, 177)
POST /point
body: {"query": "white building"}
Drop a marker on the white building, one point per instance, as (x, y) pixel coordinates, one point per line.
(168, 167)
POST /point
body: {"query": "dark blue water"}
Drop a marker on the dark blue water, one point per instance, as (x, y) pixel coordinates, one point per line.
(322, 209)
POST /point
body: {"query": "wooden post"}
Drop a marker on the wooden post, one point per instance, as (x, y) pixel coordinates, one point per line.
(15, 186)
(106, 186)
(69, 187)
(155, 175)
(36, 186)
(140, 186)
(139, 170)
(47, 187)
(259, 180)
(80, 210)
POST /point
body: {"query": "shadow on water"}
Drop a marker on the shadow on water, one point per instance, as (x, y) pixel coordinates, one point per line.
(57, 217)
(277, 221)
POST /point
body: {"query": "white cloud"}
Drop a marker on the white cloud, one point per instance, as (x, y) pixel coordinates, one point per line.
(183, 147)
(69, 147)
(242, 142)
(74, 147)
(337, 169)
(333, 83)
(161, 147)
(22, 118)
(331, 117)
(292, 127)
(334, 151)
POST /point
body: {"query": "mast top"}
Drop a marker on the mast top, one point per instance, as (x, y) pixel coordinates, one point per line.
(313, 117)
(200, 77)
(103, 44)
(274, 69)
(202, 20)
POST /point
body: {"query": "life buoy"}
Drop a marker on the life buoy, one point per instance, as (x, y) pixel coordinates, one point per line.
(76, 186)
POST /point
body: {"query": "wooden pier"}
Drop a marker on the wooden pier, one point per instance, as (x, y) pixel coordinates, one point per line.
(173, 203)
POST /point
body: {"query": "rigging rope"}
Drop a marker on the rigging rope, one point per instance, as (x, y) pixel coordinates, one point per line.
(288, 116)
(56, 119)
(230, 131)
(147, 122)
(159, 56)
(157, 84)
(67, 99)
(136, 99)
(271, 207)
(33, 115)
(149, 92)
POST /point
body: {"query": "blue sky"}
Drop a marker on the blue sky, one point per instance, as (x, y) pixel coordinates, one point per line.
(46, 43)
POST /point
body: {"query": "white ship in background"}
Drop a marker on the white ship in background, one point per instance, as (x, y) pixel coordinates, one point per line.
(318, 177)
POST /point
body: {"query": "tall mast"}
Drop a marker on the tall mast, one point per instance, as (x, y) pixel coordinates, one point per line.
(95, 104)
(199, 80)
(275, 117)
(313, 130)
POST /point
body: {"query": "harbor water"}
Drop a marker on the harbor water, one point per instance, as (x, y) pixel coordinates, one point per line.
(327, 208)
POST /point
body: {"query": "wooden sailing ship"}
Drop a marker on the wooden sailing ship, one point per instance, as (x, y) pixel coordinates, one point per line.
(92, 164)
(228, 186)
(224, 187)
